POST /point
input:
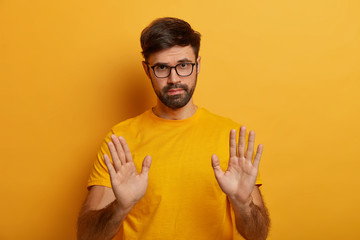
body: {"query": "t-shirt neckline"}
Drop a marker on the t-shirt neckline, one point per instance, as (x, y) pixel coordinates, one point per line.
(175, 122)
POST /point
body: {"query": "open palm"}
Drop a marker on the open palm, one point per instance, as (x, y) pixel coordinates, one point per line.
(128, 186)
(238, 181)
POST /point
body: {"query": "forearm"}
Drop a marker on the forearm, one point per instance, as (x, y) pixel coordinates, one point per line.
(100, 224)
(252, 221)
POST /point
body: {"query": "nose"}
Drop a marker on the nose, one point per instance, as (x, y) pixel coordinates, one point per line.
(173, 77)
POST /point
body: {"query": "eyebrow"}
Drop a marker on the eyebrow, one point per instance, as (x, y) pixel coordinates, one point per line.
(184, 60)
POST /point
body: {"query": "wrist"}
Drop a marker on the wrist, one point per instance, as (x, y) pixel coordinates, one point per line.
(243, 205)
(121, 210)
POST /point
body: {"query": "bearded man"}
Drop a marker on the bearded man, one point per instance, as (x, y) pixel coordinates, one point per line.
(160, 175)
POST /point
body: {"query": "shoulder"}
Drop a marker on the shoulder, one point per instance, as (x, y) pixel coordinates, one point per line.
(131, 123)
(217, 120)
(129, 129)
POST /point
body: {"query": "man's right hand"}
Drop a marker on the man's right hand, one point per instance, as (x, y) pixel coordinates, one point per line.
(128, 186)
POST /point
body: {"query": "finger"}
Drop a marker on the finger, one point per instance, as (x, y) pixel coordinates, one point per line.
(128, 156)
(146, 165)
(109, 166)
(114, 156)
(242, 143)
(232, 143)
(216, 166)
(258, 156)
(250, 146)
(119, 148)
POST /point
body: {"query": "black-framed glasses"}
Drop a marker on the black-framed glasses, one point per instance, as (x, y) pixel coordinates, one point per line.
(181, 69)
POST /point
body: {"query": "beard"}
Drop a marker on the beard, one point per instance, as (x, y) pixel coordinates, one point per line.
(175, 101)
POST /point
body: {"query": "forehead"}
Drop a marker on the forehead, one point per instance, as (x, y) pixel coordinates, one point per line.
(172, 55)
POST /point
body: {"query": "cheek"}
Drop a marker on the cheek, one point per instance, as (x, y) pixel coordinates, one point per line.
(192, 82)
(158, 84)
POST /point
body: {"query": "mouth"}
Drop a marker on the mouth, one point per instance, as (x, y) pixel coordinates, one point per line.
(175, 91)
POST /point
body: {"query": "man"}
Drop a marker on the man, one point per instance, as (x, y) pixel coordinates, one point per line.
(175, 195)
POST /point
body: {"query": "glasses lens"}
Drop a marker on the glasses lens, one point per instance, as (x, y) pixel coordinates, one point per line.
(162, 71)
(184, 69)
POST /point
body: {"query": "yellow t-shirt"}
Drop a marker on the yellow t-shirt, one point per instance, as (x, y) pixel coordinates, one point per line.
(183, 199)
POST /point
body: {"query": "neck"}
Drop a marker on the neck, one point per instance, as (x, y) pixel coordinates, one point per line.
(165, 112)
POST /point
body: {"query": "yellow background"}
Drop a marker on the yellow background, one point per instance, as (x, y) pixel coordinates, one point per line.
(290, 70)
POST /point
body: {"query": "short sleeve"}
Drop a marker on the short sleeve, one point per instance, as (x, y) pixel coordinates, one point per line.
(99, 174)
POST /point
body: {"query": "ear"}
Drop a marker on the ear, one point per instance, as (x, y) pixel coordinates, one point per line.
(198, 60)
(146, 69)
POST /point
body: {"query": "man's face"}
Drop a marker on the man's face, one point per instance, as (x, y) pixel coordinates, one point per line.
(173, 91)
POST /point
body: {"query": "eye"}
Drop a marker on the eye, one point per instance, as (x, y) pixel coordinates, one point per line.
(183, 65)
(161, 67)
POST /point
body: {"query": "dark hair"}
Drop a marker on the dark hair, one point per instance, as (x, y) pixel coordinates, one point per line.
(164, 33)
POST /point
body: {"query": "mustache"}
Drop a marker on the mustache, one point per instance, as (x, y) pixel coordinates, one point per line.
(177, 85)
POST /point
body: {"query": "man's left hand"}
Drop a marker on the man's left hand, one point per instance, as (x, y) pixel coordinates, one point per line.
(238, 181)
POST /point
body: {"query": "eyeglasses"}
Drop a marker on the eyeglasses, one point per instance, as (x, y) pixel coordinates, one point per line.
(181, 69)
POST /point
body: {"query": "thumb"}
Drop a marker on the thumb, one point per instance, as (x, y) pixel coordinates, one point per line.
(216, 166)
(146, 165)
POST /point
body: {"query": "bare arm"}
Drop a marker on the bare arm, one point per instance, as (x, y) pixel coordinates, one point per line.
(106, 208)
(238, 183)
(252, 219)
(100, 217)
